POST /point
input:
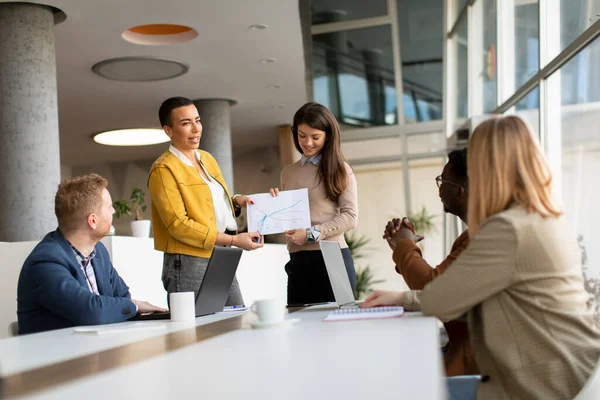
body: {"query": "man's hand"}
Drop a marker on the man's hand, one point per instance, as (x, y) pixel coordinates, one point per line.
(242, 201)
(400, 229)
(383, 298)
(296, 236)
(145, 307)
(248, 240)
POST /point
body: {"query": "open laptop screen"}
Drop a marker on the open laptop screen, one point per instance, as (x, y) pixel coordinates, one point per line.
(336, 269)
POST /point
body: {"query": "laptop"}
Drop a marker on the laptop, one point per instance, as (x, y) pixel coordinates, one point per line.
(214, 289)
(338, 277)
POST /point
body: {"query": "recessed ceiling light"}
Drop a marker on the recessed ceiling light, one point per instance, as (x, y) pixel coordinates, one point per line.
(131, 137)
(159, 34)
(139, 69)
(257, 27)
(273, 87)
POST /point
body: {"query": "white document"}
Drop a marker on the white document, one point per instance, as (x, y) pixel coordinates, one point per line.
(289, 210)
(119, 328)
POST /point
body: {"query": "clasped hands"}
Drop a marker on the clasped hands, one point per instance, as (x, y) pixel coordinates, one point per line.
(400, 229)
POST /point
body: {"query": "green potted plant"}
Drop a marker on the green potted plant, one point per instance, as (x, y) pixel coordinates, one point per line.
(136, 205)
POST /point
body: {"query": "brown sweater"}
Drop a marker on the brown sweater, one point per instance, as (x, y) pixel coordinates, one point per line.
(330, 218)
(458, 359)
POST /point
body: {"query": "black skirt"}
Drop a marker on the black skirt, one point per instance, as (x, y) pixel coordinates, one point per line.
(308, 281)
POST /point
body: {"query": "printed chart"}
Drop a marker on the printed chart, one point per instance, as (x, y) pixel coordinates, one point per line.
(289, 210)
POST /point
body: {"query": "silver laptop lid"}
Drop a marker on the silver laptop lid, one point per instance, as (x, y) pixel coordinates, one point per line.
(336, 269)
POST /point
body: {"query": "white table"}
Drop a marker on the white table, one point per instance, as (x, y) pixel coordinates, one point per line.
(372, 359)
(22, 353)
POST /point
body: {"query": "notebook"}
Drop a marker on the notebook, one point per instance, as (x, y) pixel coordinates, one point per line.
(350, 314)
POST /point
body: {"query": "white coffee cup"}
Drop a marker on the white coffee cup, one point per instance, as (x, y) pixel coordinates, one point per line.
(182, 306)
(269, 310)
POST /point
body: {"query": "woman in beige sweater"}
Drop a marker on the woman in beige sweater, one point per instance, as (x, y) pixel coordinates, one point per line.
(520, 280)
(332, 197)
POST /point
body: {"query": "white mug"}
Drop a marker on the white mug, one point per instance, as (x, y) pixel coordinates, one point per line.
(182, 306)
(269, 310)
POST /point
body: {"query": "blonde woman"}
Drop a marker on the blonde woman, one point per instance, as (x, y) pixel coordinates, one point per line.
(520, 280)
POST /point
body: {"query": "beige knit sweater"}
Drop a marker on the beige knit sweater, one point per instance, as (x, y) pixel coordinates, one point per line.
(332, 219)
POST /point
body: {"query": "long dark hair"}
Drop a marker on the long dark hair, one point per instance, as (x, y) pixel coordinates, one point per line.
(332, 169)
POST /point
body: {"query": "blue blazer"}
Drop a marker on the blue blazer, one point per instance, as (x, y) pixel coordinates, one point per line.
(53, 293)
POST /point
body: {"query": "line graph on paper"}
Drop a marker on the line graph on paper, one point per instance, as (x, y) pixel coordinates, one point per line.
(289, 210)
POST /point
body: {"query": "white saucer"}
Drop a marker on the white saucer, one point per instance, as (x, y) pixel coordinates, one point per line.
(264, 325)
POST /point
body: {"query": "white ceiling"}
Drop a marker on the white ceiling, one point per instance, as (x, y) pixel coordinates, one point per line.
(224, 62)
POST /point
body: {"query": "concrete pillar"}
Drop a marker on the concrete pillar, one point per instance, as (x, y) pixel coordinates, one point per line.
(216, 134)
(288, 154)
(29, 145)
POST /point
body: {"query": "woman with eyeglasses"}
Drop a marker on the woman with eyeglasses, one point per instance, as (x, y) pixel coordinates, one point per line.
(519, 281)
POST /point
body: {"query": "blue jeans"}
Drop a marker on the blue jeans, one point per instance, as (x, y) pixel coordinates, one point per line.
(462, 387)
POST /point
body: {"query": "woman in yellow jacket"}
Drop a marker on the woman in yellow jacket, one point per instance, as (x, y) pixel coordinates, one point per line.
(192, 210)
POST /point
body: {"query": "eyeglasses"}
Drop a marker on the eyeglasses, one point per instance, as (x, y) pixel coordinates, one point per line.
(439, 181)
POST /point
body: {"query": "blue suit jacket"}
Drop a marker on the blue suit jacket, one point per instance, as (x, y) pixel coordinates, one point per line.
(53, 293)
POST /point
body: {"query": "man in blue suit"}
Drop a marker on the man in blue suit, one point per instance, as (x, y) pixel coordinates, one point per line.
(68, 279)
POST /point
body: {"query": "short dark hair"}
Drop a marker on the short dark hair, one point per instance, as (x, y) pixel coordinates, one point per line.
(458, 164)
(164, 112)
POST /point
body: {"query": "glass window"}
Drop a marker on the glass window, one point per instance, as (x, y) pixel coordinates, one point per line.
(526, 41)
(420, 26)
(579, 120)
(528, 108)
(490, 80)
(327, 11)
(460, 46)
(353, 75)
(458, 6)
(427, 209)
(574, 17)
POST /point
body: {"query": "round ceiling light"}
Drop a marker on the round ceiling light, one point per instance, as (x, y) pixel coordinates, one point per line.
(139, 69)
(131, 137)
(159, 34)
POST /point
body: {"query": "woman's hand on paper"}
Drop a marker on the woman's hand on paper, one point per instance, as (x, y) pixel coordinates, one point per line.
(274, 192)
(248, 241)
(242, 200)
(296, 236)
(383, 298)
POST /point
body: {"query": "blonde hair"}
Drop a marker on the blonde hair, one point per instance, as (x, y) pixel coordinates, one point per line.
(506, 167)
(76, 199)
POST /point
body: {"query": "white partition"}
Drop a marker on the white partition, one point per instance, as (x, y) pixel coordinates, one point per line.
(260, 273)
(12, 256)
